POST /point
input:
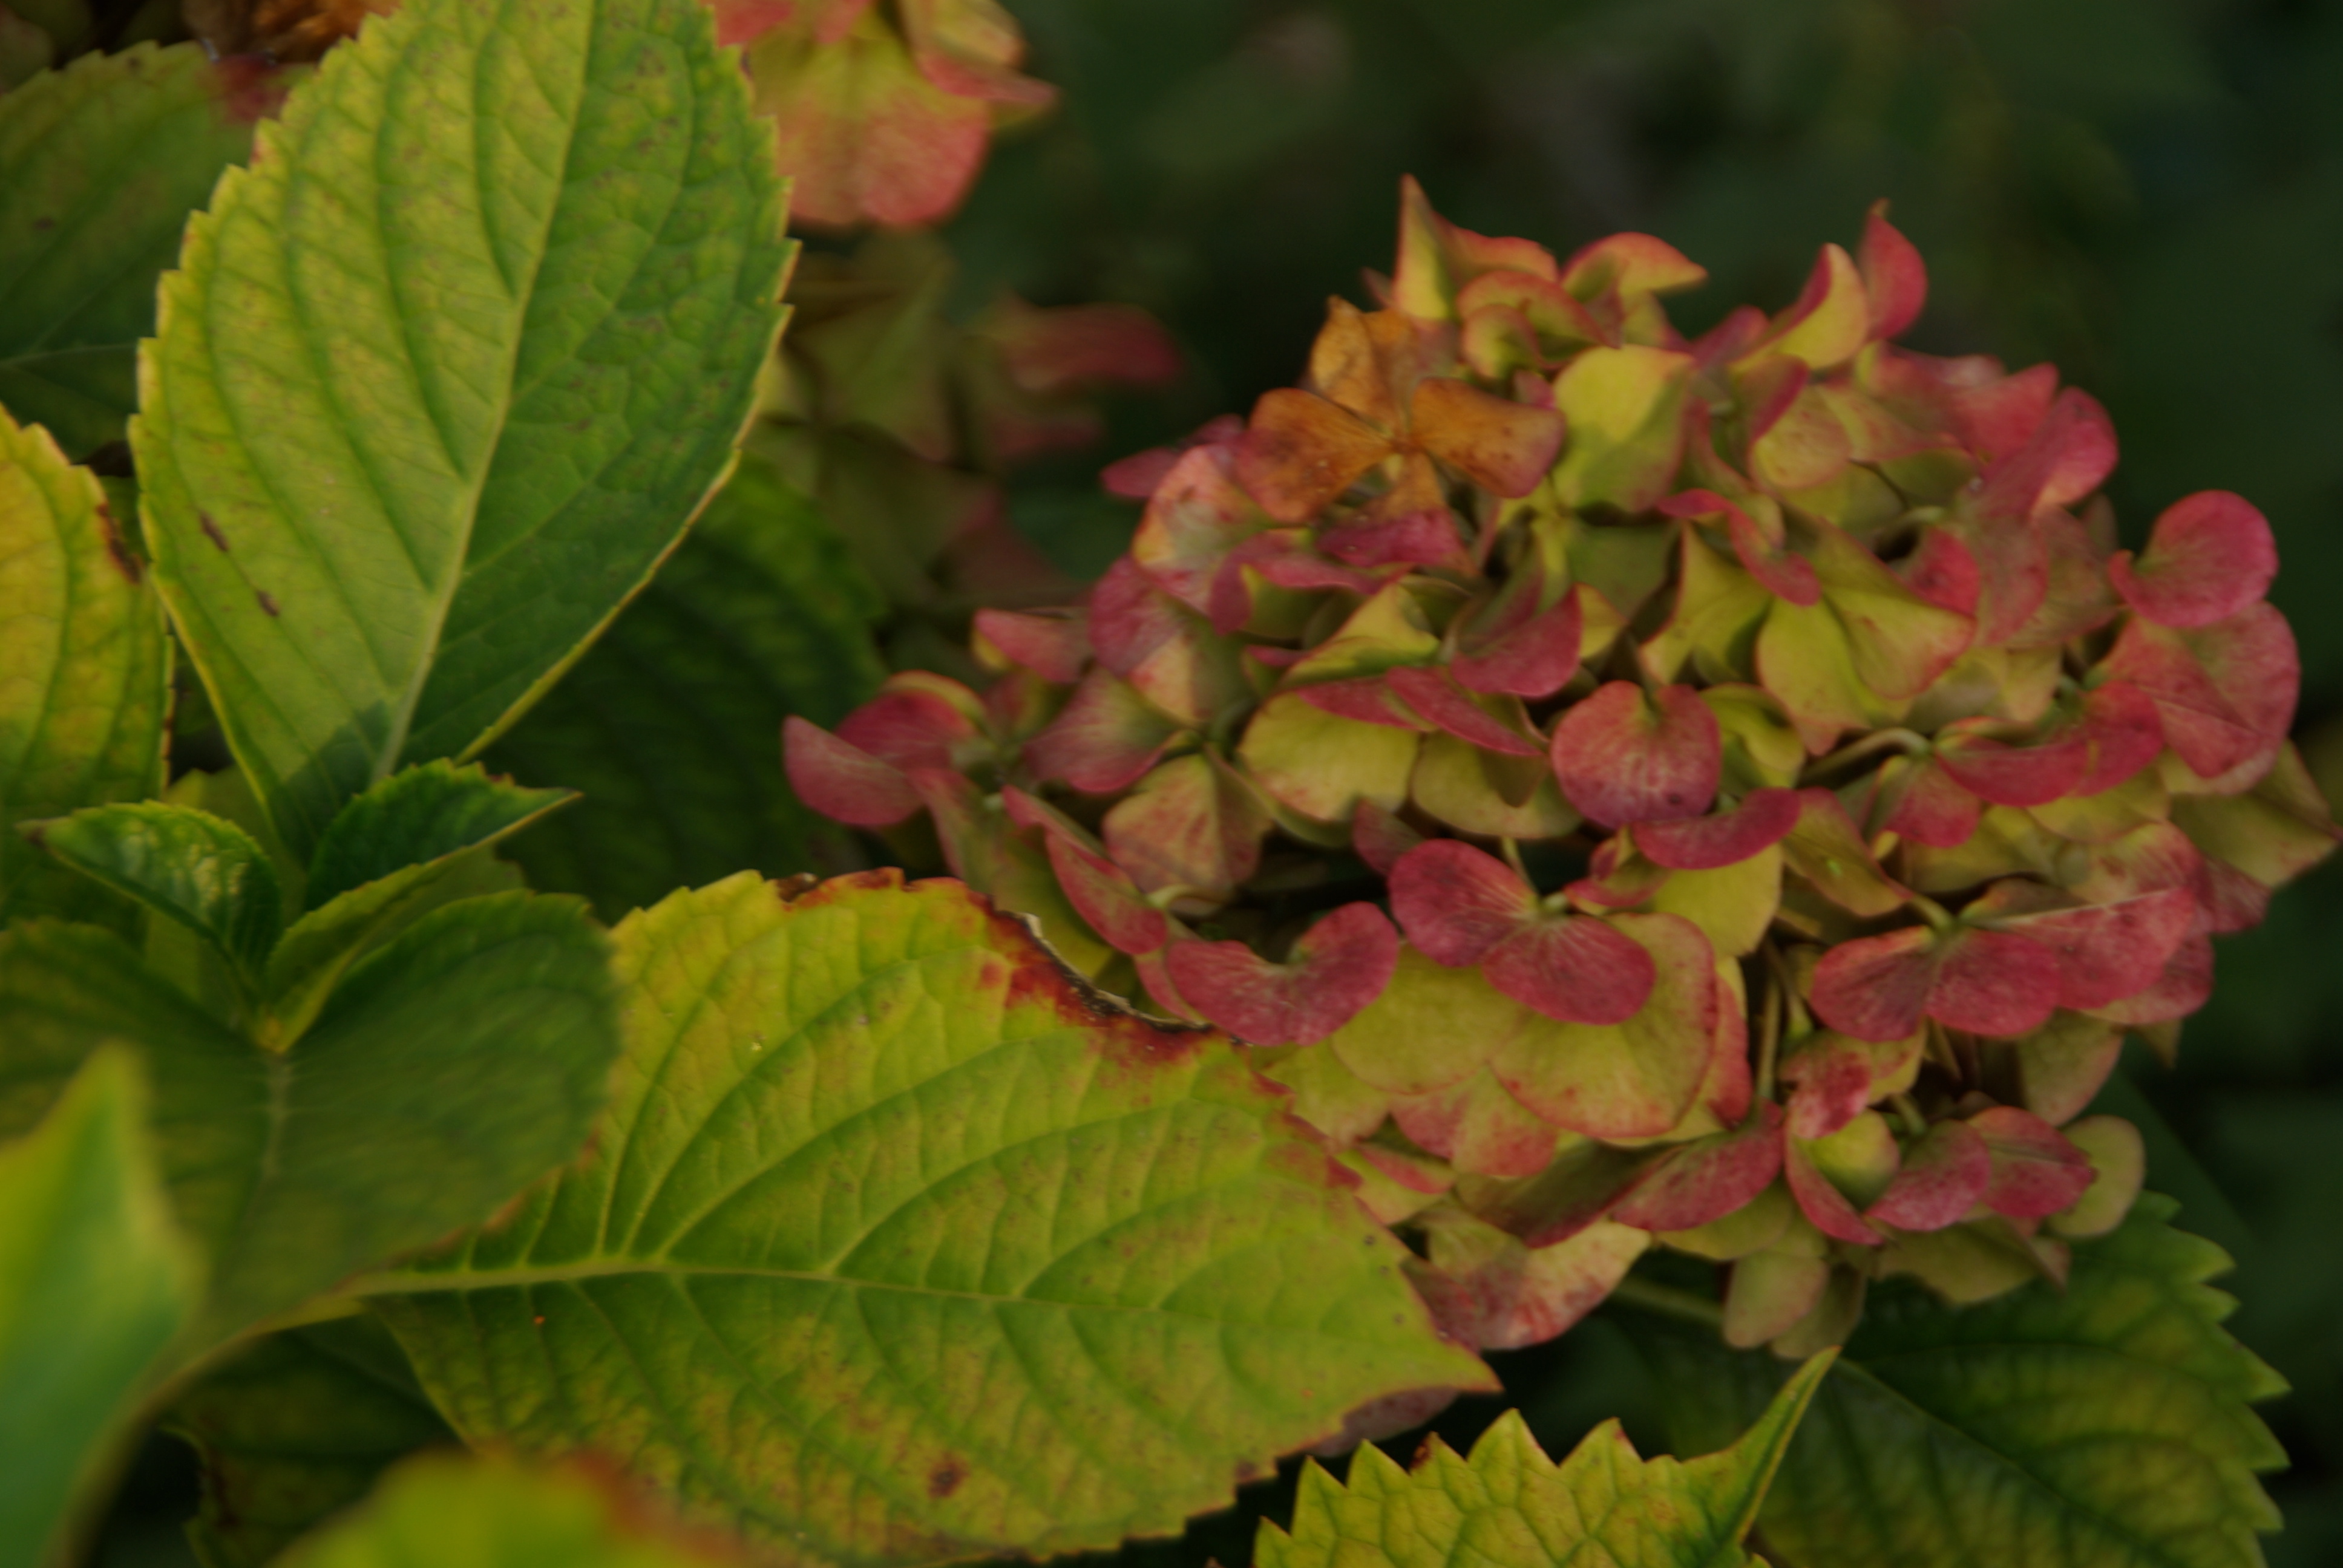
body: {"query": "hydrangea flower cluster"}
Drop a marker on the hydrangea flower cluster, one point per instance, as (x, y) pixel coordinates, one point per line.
(1731, 794)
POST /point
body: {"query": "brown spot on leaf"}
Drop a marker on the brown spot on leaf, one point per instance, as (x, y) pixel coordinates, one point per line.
(788, 889)
(267, 603)
(117, 548)
(945, 1478)
(43, 224)
(211, 531)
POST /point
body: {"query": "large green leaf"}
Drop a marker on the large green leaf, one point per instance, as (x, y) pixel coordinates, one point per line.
(445, 372)
(295, 1429)
(448, 1068)
(2104, 1425)
(1510, 1506)
(85, 668)
(95, 1280)
(100, 164)
(203, 872)
(449, 1512)
(898, 1245)
(670, 724)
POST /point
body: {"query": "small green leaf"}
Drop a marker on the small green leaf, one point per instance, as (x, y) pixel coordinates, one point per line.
(415, 817)
(296, 1429)
(875, 1152)
(95, 1280)
(204, 872)
(100, 164)
(445, 1512)
(85, 669)
(668, 723)
(446, 373)
(1510, 1506)
(449, 1070)
(378, 864)
(2104, 1425)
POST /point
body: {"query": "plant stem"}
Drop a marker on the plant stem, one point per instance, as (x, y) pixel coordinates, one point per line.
(1905, 740)
(1669, 1301)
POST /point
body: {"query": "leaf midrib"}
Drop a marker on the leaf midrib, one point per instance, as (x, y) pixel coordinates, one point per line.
(387, 761)
(395, 1282)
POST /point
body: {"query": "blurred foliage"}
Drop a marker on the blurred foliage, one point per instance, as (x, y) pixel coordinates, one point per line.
(2148, 192)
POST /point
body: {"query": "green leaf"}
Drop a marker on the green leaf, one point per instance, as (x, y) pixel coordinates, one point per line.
(296, 1429)
(100, 164)
(415, 817)
(444, 1511)
(898, 1245)
(473, 334)
(449, 1070)
(95, 1281)
(668, 723)
(2101, 1426)
(1510, 1506)
(85, 669)
(379, 863)
(204, 872)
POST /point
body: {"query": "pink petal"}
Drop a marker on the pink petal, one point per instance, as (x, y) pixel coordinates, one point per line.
(1367, 698)
(1479, 1126)
(1573, 967)
(2225, 693)
(1103, 739)
(1943, 571)
(1379, 839)
(1442, 701)
(2209, 556)
(2067, 456)
(1876, 988)
(1709, 1178)
(1822, 1203)
(1942, 1178)
(1763, 820)
(1833, 1079)
(1455, 902)
(1055, 647)
(2035, 1170)
(2108, 951)
(1620, 758)
(1515, 648)
(1337, 967)
(1191, 823)
(1131, 620)
(841, 780)
(1103, 894)
(1931, 809)
(1893, 277)
(1196, 515)
(1994, 983)
(1155, 975)
(1413, 538)
(1282, 557)
(2183, 986)
(2121, 728)
(2010, 775)
(908, 728)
